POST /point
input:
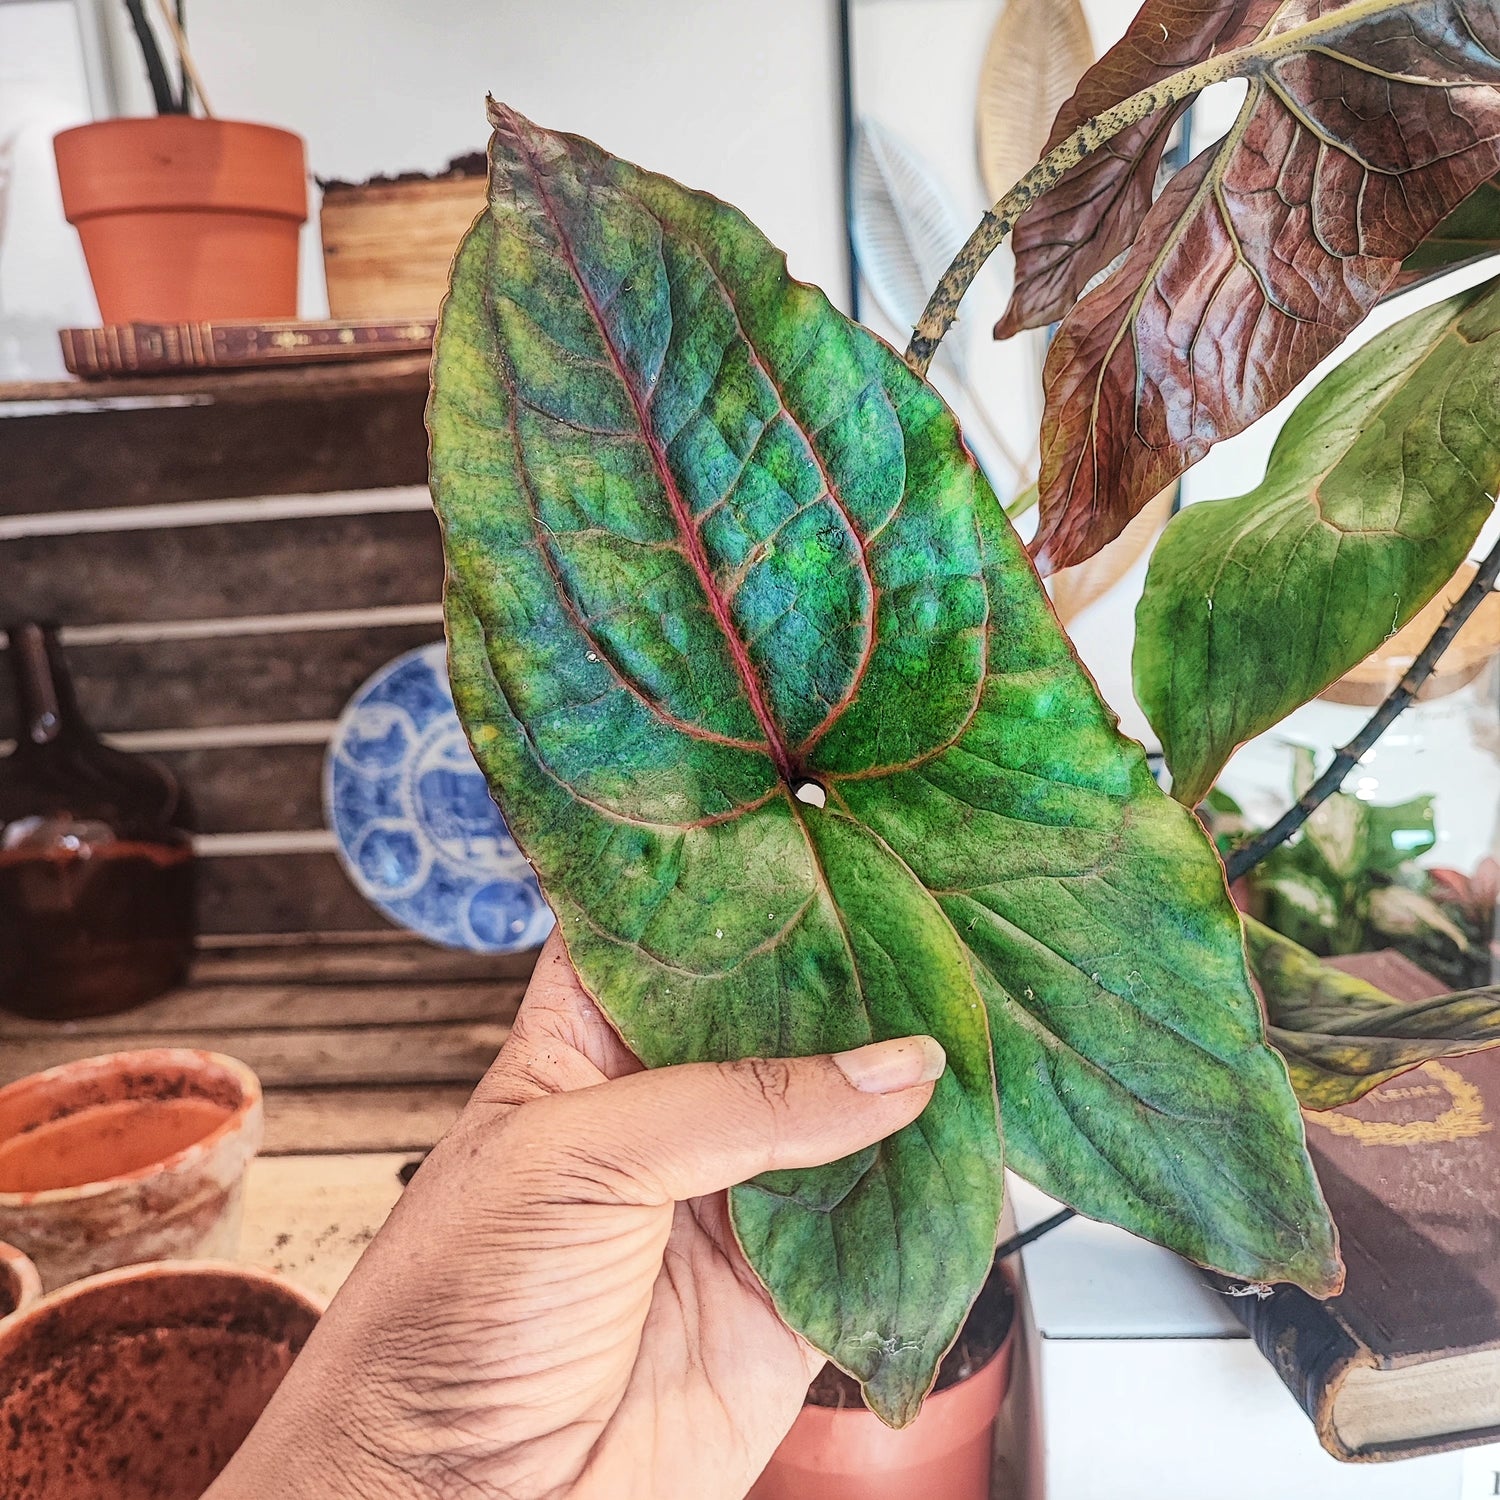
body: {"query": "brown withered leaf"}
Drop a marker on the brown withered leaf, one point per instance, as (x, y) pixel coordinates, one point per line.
(1260, 256)
(1076, 228)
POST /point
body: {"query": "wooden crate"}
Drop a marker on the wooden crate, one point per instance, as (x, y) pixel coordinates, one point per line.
(229, 557)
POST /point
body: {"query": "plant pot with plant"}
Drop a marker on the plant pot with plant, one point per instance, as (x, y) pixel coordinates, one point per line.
(184, 218)
(770, 692)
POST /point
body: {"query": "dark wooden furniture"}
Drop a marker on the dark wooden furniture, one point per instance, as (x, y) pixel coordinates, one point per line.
(229, 558)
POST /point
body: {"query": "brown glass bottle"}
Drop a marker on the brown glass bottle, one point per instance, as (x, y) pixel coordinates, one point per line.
(96, 878)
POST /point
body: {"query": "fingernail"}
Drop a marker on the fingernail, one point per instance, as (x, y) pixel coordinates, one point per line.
(887, 1067)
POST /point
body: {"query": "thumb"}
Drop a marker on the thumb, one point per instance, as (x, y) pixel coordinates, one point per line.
(687, 1131)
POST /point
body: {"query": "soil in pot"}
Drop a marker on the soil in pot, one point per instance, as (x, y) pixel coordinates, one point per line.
(837, 1450)
(141, 1384)
(135, 1156)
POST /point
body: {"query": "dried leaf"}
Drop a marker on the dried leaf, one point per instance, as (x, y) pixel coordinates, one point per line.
(1262, 254)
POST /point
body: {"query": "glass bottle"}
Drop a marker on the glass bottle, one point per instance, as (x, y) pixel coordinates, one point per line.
(96, 878)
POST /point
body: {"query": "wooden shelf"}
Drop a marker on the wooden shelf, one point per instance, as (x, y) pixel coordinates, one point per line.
(214, 435)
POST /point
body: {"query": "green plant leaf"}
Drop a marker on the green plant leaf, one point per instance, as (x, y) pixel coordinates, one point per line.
(708, 541)
(1399, 832)
(1377, 486)
(1341, 1037)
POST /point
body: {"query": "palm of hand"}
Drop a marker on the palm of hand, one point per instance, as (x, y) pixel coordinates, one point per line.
(582, 1335)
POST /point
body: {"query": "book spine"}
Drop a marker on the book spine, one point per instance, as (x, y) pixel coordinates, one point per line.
(1306, 1345)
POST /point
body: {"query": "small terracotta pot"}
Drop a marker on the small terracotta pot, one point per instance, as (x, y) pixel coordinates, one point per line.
(20, 1283)
(141, 1384)
(850, 1454)
(186, 220)
(135, 1156)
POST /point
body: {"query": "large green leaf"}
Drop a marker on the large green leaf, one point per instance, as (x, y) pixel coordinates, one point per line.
(1374, 492)
(708, 540)
(1341, 1036)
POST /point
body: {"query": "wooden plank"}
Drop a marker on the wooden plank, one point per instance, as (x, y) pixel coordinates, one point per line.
(250, 788)
(276, 677)
(222, 1011)
(290, 893)
(364, 958)
(214, 436)
(311, 1121)
(458, 1052)
(309, 1218)
(209, 572)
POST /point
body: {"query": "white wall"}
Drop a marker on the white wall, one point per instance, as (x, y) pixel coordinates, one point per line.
(739, 98)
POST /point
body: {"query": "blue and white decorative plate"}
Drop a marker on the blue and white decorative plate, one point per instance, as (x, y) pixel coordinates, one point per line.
(413, 819)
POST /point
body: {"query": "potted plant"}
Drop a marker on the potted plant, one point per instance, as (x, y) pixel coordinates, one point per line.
(771, 695)
(184, 218)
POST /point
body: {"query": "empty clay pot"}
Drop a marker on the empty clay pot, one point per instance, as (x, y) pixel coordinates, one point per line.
(848, 1453)
(186, 220)
(140, 1384)
(20, 1283)
(134, 1156)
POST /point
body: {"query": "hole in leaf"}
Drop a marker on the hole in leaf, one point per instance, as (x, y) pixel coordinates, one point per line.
(811, 793)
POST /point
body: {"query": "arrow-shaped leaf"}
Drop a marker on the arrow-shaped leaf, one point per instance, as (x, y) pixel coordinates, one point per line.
(708, 541)
(1341, 1037)
(1364, 124)
(1377, 486)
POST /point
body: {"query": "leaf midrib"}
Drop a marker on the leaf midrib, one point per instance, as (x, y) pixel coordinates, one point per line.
(692, 542)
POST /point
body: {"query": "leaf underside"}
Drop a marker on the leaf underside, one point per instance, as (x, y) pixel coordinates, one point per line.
(1260, 256)
(1375, 490)
(705, 538)
(1342, 1037)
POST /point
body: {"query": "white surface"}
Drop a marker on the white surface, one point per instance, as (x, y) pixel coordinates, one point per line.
(740, 99)
(1197, 1419)
(1092, 1281)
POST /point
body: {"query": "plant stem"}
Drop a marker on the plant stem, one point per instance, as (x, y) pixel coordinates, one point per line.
(1021, 1241)
(942, 307)
(1245, 858)
(156, 71)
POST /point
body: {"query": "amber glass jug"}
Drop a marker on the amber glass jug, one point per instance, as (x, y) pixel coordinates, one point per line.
(96, 876)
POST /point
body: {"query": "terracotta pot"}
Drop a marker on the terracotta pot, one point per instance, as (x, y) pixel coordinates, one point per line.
(388, 247)
(850, 1454)
(140, 1384)
(20, 1283)
(186, 220)
(135, 1156)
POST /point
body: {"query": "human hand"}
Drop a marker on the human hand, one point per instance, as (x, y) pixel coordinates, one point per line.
(557, 1306)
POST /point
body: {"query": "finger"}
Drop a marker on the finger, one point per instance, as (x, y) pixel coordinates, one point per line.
(560, 1040)
(687, 1131)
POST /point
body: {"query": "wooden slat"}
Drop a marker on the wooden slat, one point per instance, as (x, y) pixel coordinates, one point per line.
(275, 678)
(290, 893)
(209, 572)
(300, 1058)
(365, 958)
(250, 788)
(395, 1118)
(272, 432)
(220, 1011)
(309, 1218)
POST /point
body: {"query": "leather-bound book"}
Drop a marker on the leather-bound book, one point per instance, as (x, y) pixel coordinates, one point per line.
(166, 348)
(1406, 1359)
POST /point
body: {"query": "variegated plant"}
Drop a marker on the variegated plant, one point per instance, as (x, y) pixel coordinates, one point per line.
(772, 696)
